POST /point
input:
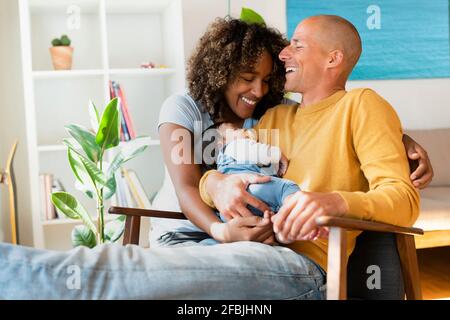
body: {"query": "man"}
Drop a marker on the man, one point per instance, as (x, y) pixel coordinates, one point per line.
(344, 148)
(348, 142)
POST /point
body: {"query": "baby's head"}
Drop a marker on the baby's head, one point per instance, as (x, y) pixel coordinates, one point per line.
(229, 132)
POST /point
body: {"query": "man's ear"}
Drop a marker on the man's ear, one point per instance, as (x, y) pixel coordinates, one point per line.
(335, 58)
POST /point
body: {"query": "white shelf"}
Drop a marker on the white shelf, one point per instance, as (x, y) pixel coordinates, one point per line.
(136, 6)
(149, 141)
(113, 39)
(62, 147)
(60, 6)
(67, 221)
(52, 148)
(154, 72)
(61, 74)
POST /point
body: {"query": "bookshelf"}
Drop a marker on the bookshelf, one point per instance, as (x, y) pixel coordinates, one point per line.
(111, 40)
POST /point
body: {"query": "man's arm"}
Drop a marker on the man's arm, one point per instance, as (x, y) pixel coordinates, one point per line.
(377, 141)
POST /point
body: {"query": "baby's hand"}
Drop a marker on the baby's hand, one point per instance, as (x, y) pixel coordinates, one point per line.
(284, 162)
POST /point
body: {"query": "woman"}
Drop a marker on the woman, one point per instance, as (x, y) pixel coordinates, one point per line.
(235, 76)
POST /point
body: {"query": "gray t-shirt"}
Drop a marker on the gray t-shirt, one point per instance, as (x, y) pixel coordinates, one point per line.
(182, 110)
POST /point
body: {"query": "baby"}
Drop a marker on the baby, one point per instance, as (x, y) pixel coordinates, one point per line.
(239, 152)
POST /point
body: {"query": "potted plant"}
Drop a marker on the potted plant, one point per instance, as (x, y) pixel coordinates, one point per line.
(96, 178)
(61, 53)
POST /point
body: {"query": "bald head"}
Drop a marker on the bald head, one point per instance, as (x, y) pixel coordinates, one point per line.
(336, 33)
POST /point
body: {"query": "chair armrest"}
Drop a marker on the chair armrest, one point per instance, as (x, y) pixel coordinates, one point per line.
(136, 212)
(364, 225)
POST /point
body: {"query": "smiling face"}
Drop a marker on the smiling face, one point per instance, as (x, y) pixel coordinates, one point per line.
(249, 87)
(304, 59)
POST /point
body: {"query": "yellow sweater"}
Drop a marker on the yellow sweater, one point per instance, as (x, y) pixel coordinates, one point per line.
(350, 143)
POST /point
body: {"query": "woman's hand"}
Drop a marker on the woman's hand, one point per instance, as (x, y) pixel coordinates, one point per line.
(252, 228)
(284, 162)
(423, 174)
(230, 196)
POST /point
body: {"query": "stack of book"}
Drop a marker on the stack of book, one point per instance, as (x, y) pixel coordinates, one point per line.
(127, 131)
(48, 185)
(129, 192)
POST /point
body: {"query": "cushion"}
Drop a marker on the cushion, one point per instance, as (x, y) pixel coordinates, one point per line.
(434, 215)
(436, 193)
(437, 144)
(166, 200)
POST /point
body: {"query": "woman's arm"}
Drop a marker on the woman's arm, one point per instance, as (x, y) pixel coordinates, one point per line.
(176, 142)
(423, 174)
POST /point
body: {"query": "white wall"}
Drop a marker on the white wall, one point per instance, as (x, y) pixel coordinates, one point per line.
(197, 14)
(422, 103)
(12, 115)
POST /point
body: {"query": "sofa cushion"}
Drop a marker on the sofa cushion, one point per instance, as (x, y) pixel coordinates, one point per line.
(436, 193)
(434, 215)
(437, 144)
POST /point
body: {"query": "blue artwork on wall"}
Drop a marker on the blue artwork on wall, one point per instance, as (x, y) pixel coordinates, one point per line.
(401, 38)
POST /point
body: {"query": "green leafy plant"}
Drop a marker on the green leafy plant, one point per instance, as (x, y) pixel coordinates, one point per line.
(250, 16)
(96, 178)
(63, 41)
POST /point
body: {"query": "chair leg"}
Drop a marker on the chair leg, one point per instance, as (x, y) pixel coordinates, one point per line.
(410, 269)
(337, 264)
(132, 229)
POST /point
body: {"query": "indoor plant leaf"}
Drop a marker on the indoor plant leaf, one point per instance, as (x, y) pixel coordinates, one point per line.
(84, 169)
(108, 134)
(86, 140)
(83, 236)
(114, 229)
(250, 16)
(72, 208)
(76, 165)
(129, 150)
(110, 188)
(93, 116)
(85, 188)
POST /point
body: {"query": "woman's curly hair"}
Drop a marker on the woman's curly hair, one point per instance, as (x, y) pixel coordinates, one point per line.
(227, 48)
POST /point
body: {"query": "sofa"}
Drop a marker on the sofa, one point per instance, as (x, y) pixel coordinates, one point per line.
(434, 216)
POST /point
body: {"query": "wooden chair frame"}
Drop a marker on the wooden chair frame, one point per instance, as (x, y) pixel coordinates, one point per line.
(337, 256)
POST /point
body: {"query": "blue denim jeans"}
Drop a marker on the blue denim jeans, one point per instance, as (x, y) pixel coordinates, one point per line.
(240, 270)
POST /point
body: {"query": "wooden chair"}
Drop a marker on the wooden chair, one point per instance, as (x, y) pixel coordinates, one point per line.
(390, 248)
(7, 177)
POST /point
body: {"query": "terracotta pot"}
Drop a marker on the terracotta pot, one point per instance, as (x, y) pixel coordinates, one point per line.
(61, 57)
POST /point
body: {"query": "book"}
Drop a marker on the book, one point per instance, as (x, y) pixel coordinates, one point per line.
(131, 203)
(137, 189)
(114, 93)
(123, 125)
(42, 195)
(49, 208)
(120, 192)
(125, 112)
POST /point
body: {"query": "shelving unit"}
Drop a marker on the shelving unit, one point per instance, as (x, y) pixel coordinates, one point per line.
(112, 39)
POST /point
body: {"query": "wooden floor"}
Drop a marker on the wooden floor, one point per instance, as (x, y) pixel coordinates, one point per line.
(434, 267)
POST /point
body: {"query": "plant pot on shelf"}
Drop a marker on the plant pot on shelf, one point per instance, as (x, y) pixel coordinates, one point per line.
(61, 57)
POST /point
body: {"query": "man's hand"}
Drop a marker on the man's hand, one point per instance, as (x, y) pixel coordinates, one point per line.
(422, 176)
(252, 228)
(296, 219)
(230, 196)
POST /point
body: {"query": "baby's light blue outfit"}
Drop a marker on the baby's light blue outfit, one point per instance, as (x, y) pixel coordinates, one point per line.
(272, 193)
